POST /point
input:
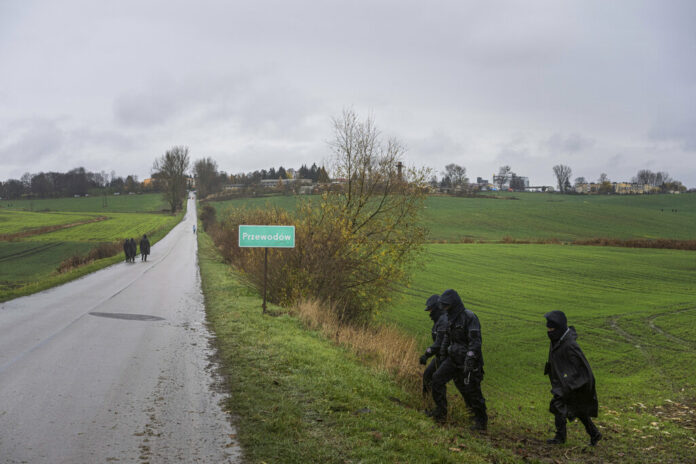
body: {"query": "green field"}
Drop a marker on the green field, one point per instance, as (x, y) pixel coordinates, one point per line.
(118, 226)
(29, 262)
(634, 311)
(14, 222)
(538, 216)
(143, 203)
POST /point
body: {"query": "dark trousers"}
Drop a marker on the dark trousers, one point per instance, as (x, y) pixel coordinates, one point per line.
(469, 386)
(428, 375)
(560, 412)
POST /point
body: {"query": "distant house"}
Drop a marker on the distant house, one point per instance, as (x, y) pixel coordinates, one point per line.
(270, 183)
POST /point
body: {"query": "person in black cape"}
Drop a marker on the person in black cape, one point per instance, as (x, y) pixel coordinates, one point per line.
(572, 381)
(144, 248)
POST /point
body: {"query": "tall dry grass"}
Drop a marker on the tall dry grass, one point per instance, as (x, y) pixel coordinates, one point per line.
(383, 347)
(103, 250)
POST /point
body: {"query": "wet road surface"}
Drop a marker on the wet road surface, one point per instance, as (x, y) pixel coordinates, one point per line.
(115, 367)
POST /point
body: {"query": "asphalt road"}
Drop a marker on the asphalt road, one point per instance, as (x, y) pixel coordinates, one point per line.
(115, 367)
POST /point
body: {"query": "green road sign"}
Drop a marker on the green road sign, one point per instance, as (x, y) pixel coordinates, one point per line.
(267, 236)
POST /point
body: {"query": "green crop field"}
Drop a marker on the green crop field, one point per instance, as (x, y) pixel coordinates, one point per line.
(13, 222)
(118, 226)
(143, 203)
(634, 311)
(23, 263)
(538, 216)
(29, 262)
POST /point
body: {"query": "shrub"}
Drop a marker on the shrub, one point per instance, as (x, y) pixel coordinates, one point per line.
(207, 216)
(103, 250)
(352, 246)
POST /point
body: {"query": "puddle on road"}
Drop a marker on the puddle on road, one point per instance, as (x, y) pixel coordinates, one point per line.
(128, 317)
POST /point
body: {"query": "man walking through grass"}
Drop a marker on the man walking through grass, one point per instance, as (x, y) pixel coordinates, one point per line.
(439, 318)
(572, 381)
(464, 362)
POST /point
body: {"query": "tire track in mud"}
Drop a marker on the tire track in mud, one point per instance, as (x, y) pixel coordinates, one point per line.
(651, 323)
(637, 343)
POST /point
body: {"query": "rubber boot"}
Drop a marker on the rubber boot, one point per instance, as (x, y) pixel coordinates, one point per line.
(560, 436)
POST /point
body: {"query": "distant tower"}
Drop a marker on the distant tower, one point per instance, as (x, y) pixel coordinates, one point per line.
(399, 167)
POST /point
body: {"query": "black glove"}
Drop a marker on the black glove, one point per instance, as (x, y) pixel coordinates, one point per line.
(423, 359)
(470, 364)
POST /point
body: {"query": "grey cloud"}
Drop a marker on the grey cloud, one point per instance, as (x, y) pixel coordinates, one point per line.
(515, 150)
(563, 144)
(31, 139)
(678, 127)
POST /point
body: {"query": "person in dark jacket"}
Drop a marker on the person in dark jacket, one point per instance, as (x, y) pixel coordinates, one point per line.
(439, 318)
(464, 361)
(572, 381)
(144, 248)
(133, 250)
(126, 249)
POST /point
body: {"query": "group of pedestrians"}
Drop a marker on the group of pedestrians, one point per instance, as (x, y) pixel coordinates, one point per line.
(457, 356)
(130, 249)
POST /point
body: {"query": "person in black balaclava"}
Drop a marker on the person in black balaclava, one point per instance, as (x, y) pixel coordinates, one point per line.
(439, 318)
(464, 362)
(572, 381)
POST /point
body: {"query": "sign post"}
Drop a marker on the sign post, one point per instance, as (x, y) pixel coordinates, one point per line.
(266, 237)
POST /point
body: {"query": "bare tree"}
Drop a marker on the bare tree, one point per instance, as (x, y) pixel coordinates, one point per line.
(207, 178)
(655, 179)
(580, 181)
(456, 175)
(503, 176)
(603, 178)
(562, 173)
(371, 227)
(170, 170)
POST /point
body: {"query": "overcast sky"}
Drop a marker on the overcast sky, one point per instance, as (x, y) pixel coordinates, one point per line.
(602, 86)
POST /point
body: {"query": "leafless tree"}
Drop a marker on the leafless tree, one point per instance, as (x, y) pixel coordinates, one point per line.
(207, 179)
(456, 175)
(563, 174)
(170, 170)
(603, 178)
(503, 176)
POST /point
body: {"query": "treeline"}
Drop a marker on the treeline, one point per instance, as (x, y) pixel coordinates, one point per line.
(77, 181)
(313, 173)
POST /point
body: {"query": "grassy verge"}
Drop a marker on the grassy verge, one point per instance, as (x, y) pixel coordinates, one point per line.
(298, 398)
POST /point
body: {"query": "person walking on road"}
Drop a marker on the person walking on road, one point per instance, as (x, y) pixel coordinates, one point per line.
(439, 318)
(144, 248)
(133, 250)
(572, 381)
(194, 228)
(464, 362)
(126, 249)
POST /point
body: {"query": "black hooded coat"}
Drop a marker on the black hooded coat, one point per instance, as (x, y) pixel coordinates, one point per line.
(463, 331)
(572, 381)
(144, 246)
